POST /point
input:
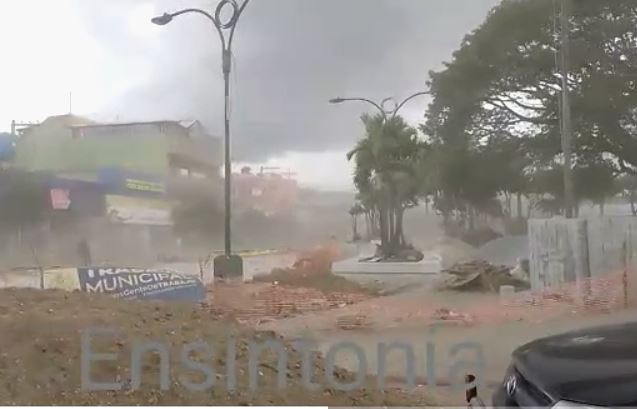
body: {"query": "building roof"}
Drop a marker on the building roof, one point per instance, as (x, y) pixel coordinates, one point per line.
(184, 124)
(71, 120)
(188, 123)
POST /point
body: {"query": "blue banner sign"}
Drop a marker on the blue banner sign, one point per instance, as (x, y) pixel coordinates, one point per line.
(140, 283)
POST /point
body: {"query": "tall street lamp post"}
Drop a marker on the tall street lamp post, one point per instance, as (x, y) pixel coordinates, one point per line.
(227, 264)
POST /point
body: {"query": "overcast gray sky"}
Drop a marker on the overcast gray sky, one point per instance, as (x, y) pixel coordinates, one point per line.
(291, 56)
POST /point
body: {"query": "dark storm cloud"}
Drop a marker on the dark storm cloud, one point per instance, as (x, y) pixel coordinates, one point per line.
(291, 57)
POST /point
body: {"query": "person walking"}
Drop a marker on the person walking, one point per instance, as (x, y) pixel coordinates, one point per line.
(84, 252)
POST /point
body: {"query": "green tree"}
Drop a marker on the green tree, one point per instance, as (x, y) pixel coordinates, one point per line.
(502, 89)
(596, 181)
(627, 184)
(386, 174)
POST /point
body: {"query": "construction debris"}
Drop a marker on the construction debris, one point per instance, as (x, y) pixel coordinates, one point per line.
(353, 322)
(481, 276)
(313, 269)
(445, 314)
(252, 303)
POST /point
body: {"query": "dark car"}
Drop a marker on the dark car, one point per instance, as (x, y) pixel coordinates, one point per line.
(591, 367)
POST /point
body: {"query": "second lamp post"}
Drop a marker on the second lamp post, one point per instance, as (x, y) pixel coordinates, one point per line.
(386, 113)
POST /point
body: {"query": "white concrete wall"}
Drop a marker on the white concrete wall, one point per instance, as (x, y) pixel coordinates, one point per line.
(564, 250)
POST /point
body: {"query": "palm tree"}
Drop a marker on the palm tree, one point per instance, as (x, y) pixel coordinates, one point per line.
(386, 163)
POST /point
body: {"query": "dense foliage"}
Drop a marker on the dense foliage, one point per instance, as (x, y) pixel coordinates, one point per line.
(493, 128)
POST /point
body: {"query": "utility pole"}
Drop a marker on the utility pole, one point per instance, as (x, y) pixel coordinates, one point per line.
(18, 127)
(567, 131)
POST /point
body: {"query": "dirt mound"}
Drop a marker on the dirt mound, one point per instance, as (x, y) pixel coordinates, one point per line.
(325, 282)
(40, 360)
(313, 270)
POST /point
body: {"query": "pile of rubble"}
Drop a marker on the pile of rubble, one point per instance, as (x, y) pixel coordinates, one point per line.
(604, 294)
(481, 276)
(452, 317)
(313, 270)
(257, 303)
(353, 322)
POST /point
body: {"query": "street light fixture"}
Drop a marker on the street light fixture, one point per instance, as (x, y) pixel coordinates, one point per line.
(391, 113)
(228, 264)
(162, 20)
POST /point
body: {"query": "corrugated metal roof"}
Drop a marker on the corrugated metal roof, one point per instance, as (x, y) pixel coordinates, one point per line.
(104, 125)
(71, 120)
(188, 123)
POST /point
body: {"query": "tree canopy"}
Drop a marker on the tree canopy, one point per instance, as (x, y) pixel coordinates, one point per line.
(496, 104)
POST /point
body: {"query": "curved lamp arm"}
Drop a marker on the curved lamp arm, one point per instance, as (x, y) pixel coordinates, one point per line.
(236, 20)
(167, 18)
(340, 100)
(407, 100)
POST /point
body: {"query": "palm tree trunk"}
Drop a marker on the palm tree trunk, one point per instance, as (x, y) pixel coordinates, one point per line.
(382, 216)
(632, 203)
(507, 196)
(354, 227)
(519, 205)
(399, 237)
(376, 222)
(392, 226)
(373, 223)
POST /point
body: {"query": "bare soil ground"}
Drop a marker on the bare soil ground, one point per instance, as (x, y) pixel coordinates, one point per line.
(326, 283)
(313, 270)
(40, 360)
